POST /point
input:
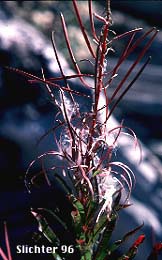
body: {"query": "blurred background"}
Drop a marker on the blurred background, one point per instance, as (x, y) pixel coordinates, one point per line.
(27, 112)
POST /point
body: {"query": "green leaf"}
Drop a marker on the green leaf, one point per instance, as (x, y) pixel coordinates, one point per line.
(47, 232)
(78, 216)
(91, 209)
(95, 210)
(79, 206)
(87, 255)
(102, 250)
(46, 229)
(55, 217)
(96, 173)
(98, 228)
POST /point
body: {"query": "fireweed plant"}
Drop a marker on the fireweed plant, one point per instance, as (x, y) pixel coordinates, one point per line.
(96, 186)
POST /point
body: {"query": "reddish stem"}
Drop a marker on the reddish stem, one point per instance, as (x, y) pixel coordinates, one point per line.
(128, 87)
(133, 65)
(92, 21)
(7, 242)
(83, 29)
(70, 50)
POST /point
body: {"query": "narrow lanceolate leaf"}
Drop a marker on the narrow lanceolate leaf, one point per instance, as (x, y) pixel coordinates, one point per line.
(78, 217)
(90, 210)
(47, 232)
(63, 183)
(98, 228)
(133, 249)
(94, 217)
(55, 216)
(46, 229)
(124, 239)
(87, 255)
(102, 250)
(79, 206)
